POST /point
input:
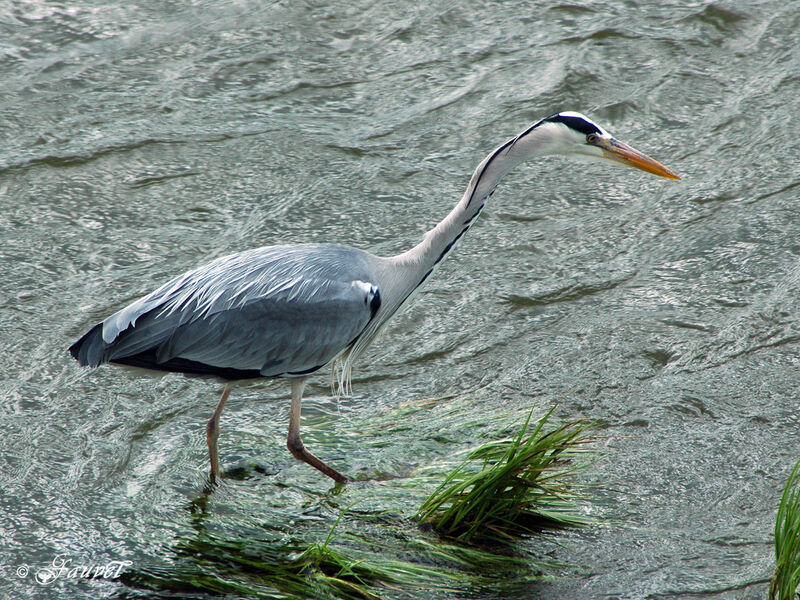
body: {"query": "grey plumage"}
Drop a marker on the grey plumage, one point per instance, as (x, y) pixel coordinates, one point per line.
(287, 311)
(269, 312)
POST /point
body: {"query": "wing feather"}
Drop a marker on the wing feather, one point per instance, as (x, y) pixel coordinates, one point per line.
(275, 310)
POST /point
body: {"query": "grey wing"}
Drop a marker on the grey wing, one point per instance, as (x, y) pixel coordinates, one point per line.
(269, 312)
(275, 337)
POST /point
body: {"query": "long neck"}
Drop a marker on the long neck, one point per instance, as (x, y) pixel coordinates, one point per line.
(404, 273)
(440, 241)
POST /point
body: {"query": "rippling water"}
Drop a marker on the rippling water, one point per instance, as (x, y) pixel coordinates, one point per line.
(142, 139)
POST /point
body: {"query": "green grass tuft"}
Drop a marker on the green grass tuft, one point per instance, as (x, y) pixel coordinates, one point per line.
(214, 564)
(505, 488)
(522, 486)
(786, 580)
(257, 569)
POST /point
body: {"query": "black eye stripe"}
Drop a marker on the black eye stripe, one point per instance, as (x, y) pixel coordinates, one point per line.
(576, 123)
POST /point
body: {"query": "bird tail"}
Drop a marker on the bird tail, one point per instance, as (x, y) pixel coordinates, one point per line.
(89, 350)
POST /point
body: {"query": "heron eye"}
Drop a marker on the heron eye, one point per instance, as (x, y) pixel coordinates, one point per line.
(591, 138)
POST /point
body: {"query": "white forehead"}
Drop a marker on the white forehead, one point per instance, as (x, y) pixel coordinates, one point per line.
(577, 115)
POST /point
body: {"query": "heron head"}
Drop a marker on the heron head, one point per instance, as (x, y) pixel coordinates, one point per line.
(576, 135)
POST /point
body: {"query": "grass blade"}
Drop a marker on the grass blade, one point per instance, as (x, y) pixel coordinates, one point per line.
(786, 580)
(521, 486)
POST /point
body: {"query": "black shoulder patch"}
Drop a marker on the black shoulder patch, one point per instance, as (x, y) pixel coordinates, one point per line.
(376, 303)
(576, 123)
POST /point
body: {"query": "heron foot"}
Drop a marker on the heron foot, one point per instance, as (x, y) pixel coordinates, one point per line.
(295, 444)
(298, 450)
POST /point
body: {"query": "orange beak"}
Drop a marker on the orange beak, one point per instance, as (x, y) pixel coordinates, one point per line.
(630, 157)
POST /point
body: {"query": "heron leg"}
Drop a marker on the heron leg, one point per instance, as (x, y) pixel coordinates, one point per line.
(295, 444)
(212, 432)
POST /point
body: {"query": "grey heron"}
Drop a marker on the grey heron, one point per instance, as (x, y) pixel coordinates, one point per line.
(287, 311)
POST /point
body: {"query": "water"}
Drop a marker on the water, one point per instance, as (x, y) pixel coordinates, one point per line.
(142, 139)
